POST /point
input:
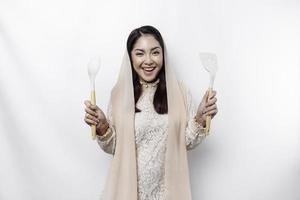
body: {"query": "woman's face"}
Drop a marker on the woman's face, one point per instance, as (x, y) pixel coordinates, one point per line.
(147, 57)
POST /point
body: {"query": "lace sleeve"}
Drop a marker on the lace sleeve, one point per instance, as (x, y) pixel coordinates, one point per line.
(194, 132)
(108, 141)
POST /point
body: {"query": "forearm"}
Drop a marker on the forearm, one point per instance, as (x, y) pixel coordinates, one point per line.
(194, 133)
(106, 138)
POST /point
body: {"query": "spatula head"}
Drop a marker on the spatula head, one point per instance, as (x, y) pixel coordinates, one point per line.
(209, 62)
(94, 66)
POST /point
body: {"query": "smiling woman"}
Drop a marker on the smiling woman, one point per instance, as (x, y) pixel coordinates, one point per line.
(145, 47)
(147, 57)
(152, 122)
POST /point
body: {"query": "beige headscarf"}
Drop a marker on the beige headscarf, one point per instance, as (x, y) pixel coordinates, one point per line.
(121, 182)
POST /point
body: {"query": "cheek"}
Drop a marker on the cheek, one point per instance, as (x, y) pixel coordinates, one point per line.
(137, 69)
(137, 66)
(136, 62)
(159, 61)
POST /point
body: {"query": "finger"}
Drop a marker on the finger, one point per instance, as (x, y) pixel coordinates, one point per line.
(211, 102)
(212, 95)
(213, 115)
(90, 122)
(89, 105)
(212, 112)
(212, 107)
(91, 112)
(88, 116)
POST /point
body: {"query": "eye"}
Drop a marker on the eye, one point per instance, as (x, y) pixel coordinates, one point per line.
(156, 52)
(139, 54)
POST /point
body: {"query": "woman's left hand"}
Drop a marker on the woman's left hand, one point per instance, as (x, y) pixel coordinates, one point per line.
(207, 107)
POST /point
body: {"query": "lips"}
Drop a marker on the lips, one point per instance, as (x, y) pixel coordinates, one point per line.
(149, 69)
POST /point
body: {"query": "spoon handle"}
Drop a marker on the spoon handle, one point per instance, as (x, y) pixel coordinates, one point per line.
(93, 101)
(208, 118)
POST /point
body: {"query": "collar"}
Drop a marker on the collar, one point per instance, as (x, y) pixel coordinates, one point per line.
(147, 84)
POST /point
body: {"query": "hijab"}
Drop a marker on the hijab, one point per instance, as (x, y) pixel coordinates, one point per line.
(121, 181)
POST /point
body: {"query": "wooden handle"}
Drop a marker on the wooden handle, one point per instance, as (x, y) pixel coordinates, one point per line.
(93, 101)
(208, 118)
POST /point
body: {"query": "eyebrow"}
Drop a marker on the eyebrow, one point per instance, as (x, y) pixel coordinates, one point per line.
(143, 49)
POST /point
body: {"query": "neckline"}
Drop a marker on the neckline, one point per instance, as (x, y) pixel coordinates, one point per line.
(146, 84)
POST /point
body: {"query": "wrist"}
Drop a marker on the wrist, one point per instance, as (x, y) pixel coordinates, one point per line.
(102, 127)
(200, 121)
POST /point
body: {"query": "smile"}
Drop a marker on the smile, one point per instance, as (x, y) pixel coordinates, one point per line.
(149, 69)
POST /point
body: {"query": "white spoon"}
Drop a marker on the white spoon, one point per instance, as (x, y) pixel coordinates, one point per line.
(209, 62)
(93, 68)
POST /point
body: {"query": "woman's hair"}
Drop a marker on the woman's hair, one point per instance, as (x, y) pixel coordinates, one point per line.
(160, 101)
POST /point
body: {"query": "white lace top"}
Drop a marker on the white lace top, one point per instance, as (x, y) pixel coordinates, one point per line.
(150, 138)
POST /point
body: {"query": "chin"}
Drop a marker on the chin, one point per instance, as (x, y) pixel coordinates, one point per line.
(150, 79)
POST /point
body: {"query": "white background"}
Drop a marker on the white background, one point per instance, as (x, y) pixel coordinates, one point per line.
(46, 151)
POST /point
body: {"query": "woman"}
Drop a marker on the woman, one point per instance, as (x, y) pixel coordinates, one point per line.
(151, 123)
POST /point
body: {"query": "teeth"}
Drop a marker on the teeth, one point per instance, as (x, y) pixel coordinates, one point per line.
(149, 69)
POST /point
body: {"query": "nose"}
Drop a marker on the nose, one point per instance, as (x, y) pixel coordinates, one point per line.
(148, 60)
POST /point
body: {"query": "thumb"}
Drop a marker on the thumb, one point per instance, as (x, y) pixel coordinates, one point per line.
(205, 97)
(93, 106)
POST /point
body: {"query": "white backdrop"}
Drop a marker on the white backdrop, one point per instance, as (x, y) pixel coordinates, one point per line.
(46, 151)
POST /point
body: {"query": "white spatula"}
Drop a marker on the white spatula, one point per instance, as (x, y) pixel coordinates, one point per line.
(93, 68)
(209, 62)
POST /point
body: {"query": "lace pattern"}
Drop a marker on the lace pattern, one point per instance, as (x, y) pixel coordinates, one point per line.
(151, 139)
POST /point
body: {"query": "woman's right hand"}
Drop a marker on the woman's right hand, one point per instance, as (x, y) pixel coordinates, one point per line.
(94, 115)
